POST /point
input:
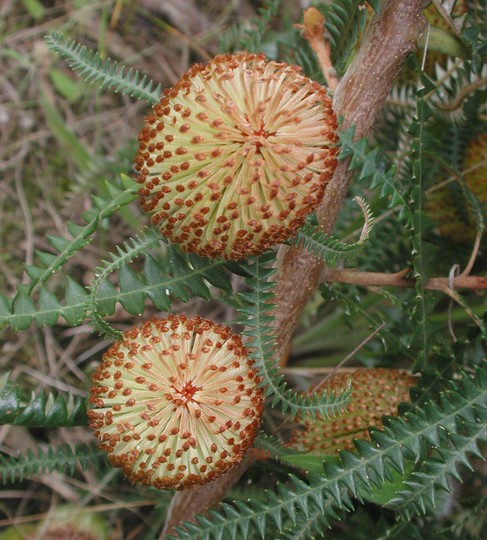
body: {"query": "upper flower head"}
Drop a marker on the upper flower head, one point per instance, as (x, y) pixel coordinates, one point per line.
(176, 402)
(236, 155)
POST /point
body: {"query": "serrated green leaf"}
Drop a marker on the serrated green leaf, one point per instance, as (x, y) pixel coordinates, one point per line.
(132, 291)
(74, 310)
(106, 298)
(60, 459)
(45, 257)
(34, 272)
(23, 309)
(106, 73)
(49, 308)
(154, 275)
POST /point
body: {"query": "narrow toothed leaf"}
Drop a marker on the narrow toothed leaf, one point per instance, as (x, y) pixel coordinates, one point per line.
(106, 73)
(34, 272)
(45, 258)
(255, 307)
(63, 458)
(155, 279)
(23, 309)
(132, 293)
(49, 308)
(58, 242)
(74, 310)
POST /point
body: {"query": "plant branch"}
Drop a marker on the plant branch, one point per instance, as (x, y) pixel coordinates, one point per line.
(359, 97)
(463, 95)
(312, 32)
(186, 504)
(398, 279)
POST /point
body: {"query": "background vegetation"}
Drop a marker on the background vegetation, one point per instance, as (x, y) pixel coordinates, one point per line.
(66, 151)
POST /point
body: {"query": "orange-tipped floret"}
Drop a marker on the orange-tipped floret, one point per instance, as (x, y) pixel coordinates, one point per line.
(376, 392)
(236, 155)
(176, 402)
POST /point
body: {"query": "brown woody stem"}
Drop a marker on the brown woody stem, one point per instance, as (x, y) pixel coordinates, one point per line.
(186, 504)
(359, 96)
(377, 279)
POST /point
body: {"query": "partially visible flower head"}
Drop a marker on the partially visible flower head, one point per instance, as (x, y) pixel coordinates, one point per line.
(236, 155)
(176, 402)
(376, 392)
(65, 522)
(448, 205)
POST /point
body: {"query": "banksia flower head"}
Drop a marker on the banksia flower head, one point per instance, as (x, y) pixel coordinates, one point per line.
(376, 392)
(236, 155)
(448, 206)
(64, 522)
(176, 402)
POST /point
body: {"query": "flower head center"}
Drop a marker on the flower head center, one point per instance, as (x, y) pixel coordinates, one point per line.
(258, 136)
(186, 392)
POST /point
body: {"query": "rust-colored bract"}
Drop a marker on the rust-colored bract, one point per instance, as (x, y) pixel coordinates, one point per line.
(176, 402)
(236, 155)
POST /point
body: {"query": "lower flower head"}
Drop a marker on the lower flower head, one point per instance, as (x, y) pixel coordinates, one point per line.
(236, 155)
(176, 402)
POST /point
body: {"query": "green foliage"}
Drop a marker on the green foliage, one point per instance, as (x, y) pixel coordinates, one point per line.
(463, 408)
(43, 410)
(329, 248)
(64, 458)
(250, 38)
(344, 21)
(255, 310)
(253, 40)
(184, 274)
(422, 250)
(107, 74)
(405, 471)
(23, 309)
(372, 169)
(159, 282)
(131, 298)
